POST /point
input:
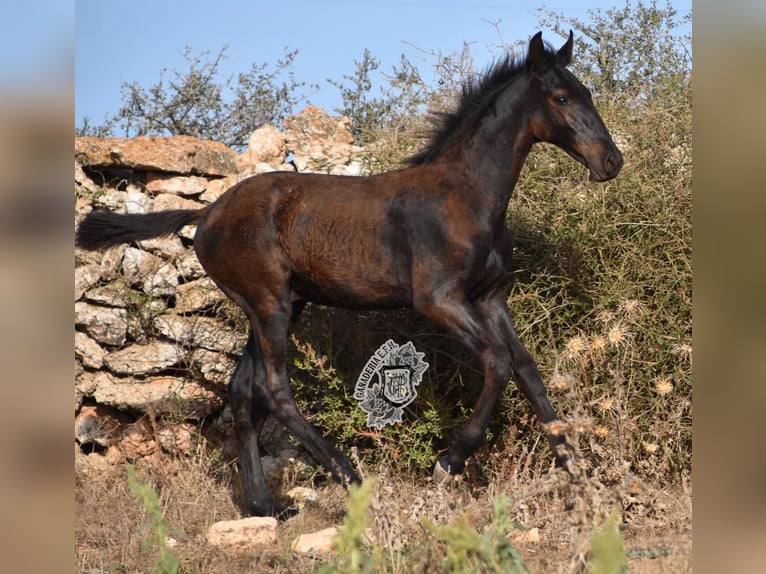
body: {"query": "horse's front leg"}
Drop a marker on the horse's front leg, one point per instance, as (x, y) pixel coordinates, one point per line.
(465, 320)
(526, 375)
(486, 328)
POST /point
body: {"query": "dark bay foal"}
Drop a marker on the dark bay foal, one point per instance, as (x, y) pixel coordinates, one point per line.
(431, 236)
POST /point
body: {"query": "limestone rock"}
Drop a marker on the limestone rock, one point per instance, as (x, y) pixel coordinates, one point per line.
(315, 542)
(197, 295)
(189, 266)
(318, 141)
(176, 154)
(301, 495)
(138, 440)
(163, 283)
(106, 325)
(88, 351)
(177, 438)
(167, 201)
(98, 425)
(244, 534)
(112, 201)
(84, 277)
(143, 359)
(136, 201)
(266, 145)
(81, 178)
(169, 246)
(111, 262)
(215, 189)
(214, 367)
(196, 332)
(137, 264)
(158, 395)
(157, 183)
(115, 294)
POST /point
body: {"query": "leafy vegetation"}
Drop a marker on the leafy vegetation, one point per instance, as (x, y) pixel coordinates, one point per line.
(607, 548)
(356, 557)
(201, 102)
(468, 551)
(146, 495)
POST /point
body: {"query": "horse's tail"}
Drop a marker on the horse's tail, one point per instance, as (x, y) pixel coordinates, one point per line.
(104, 229)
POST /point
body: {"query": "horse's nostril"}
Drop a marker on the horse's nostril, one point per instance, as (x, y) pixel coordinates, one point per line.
(613, 162)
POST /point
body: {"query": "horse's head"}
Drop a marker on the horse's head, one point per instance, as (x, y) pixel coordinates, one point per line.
(564, 114)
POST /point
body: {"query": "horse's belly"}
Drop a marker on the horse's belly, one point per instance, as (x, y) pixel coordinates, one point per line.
(352, 291)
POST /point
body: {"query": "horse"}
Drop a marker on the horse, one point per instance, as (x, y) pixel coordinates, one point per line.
(431, 236)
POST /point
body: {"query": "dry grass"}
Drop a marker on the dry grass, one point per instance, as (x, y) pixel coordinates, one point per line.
(112, 533)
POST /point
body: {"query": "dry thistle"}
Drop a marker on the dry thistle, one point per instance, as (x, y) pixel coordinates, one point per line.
(684, 351)
(630, 307)
(575, 347)
(604, 317)
(598, 343)
(663, 386)
(601, 431)
(561, 381)
(617, 335)
(606, 404)
(651, 447)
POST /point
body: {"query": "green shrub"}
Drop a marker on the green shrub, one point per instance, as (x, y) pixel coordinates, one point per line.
(607, 550)
(145, 494)
(466, 550)
(355, 555)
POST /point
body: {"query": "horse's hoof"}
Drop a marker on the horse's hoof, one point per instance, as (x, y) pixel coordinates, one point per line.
(565, 458)
(285, 513)
(442, 475)
(275, 509)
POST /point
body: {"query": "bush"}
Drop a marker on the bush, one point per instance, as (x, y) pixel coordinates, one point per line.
(591, 262)
(201, 103)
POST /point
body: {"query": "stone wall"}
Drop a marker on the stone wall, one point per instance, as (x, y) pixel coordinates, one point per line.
(155, 340)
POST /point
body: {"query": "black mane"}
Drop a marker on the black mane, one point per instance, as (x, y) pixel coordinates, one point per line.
(478, 96)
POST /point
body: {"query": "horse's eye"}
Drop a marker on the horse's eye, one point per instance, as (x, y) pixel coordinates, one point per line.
(561, 100)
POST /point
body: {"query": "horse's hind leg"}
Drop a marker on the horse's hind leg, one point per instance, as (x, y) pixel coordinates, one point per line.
(249, 412)
(272, 325)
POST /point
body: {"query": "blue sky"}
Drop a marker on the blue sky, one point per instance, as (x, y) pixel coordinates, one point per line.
(120, 41)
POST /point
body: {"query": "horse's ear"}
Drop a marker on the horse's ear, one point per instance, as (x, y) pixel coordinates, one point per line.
(564, 56)
(536, 59)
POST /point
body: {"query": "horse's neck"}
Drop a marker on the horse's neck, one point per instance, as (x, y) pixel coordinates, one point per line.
(499, 158)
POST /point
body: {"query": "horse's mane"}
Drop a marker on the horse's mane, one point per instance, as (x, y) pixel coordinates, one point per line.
(478, 95)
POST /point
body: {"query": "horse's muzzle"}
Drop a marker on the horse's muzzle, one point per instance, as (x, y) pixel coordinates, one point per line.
(611, 166)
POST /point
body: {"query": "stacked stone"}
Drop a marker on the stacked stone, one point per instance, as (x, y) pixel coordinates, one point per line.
(155, 340)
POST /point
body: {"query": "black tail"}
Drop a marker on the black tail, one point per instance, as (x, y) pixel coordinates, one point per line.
(104, 229)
